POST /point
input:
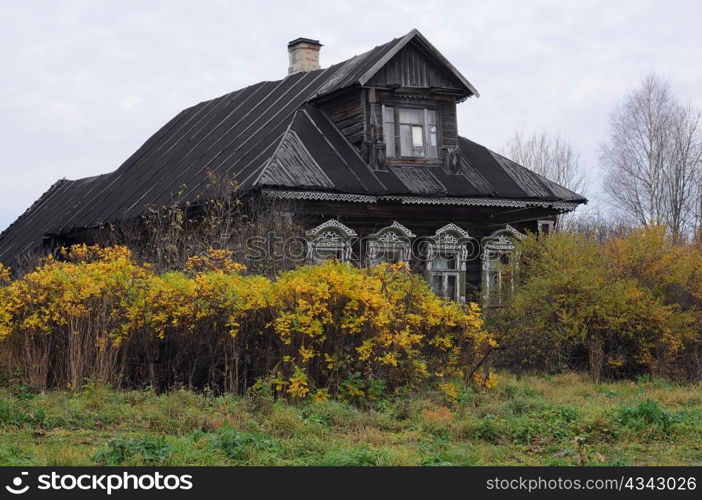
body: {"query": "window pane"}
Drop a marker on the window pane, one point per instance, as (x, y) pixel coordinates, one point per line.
(417, 141)
(451, 286)
(405, 140)
(413, 116)
(389, 134)
(437, 282)
(493, 285)
(431, 117)
(417, 137)
(388, 114)
(444, 262)
(432, 149)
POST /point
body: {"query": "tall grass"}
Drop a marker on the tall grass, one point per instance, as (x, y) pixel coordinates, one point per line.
(533, 420)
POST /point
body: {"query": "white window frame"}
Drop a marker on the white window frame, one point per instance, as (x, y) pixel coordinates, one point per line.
(498, 282)
(545, 222)
(330, 236)
(449, 240)
(394, 237)
(395, 137)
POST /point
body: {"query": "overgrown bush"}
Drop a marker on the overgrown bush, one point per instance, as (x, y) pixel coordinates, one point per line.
(64, 321)
(332, 329)
(626, 307)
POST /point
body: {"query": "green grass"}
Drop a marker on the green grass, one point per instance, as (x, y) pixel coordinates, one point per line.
(555, 420)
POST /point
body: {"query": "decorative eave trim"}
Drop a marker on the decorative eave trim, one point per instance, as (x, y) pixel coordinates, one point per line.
(483, 202)
(565, 206)
(319, 196)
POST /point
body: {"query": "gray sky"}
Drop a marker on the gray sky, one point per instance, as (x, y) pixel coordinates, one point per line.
(85, 82)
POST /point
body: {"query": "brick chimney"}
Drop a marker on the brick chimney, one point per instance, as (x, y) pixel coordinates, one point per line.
(304, 55)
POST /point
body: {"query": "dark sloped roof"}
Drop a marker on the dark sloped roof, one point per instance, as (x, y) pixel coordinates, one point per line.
(265, 135)
(316, 155)
(44, 216)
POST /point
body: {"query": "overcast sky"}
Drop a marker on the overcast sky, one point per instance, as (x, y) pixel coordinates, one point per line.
(84, 83)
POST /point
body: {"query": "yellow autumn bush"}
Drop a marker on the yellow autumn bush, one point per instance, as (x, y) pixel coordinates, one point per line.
(194, 329)
(63, 321)
(357, 328)
(331, 329)
(4, 274)
(626, 307)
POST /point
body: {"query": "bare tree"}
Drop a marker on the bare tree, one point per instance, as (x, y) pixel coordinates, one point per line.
(261, 233)
(595, 223)
(552, 157)
(653, 158)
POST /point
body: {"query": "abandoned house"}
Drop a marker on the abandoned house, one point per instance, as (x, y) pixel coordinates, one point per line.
(368, 147)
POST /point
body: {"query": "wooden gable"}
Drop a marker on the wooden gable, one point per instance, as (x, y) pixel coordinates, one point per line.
(414, 67)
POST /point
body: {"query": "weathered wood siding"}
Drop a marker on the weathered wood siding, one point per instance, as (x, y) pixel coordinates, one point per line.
(449, 125)
(347, 113)
(411, 68)
(423, 220)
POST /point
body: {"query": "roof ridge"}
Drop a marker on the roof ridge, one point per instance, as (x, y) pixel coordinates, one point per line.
(277, 148)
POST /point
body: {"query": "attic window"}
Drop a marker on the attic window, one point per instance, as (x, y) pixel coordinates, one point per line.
(411, 132)
(545, 226)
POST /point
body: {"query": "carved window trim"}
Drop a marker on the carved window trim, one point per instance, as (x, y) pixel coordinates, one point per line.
(545, 226)
(330, 238)
(449, 240)
(500, 266)
(393, 238)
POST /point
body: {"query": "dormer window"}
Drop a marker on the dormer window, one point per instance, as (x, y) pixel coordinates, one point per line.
(410, 132)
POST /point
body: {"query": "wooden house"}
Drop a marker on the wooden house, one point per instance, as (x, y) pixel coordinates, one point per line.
(368, 147)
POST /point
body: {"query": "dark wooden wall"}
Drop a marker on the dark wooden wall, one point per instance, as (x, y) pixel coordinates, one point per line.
(412, 68)
(346, 111)
(424, 220)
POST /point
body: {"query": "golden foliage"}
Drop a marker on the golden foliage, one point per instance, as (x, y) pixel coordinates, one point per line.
(632, 304)
(311, 331)
(333, 320)
(214, 260)
(4, 274)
